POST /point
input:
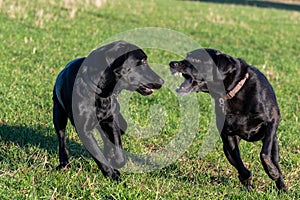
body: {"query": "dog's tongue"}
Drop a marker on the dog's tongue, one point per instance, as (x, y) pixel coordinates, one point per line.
(149, 90)
(185, 87)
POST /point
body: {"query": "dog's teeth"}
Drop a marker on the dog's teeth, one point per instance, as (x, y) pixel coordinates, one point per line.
(178, 74)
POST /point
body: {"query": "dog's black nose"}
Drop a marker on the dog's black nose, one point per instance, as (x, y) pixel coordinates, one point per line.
(158, 84)
(173, 64)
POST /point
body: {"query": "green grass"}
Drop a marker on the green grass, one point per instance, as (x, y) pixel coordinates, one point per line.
(40, 37)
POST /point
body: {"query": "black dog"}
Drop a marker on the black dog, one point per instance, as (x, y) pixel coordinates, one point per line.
(245, 106)
(86, 92)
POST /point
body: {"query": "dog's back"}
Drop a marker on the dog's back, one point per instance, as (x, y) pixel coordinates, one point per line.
(66, 79)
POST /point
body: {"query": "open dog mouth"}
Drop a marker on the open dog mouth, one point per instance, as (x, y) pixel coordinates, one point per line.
(145, 90)
(187, 85)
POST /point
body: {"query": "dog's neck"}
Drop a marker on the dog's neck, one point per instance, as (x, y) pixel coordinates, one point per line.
(102, 92)
(232, 93)
(236, 88)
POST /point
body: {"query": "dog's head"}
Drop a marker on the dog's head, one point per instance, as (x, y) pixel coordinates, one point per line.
(128, 65)
(205, 69)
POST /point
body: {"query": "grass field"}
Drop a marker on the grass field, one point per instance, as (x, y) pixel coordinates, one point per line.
(39, 37)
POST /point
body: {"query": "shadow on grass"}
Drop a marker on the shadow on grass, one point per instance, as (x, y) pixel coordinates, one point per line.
(199, 178)
(39, 137)
(262, 4)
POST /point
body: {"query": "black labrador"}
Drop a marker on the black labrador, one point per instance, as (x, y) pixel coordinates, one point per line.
(86, 92)
(245, 106)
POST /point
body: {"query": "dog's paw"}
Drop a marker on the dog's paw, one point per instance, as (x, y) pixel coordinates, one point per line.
(63, 165)
(116, 175)
(247, 182)
(249, 187)
(280, 185)
(112, 173)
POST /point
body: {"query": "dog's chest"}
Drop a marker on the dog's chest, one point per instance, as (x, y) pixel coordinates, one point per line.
(106, 107)
(248, 127)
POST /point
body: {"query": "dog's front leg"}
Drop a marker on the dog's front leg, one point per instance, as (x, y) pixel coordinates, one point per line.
(121, 123)
(113, 132)
(113, 149)
(232, 152)
(93, 148)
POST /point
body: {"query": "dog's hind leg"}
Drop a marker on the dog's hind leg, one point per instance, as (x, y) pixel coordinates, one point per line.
(231, 150)
(275, 158)
(268, 152)
(60, 120)
(269, 155)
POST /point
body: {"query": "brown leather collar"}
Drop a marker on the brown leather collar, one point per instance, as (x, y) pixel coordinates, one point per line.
(237, 88)
(232, 93)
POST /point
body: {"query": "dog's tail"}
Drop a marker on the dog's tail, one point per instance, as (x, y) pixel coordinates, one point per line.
(58, 86)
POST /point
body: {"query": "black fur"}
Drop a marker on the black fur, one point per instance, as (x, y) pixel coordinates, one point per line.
(86, 92)
(252, 114)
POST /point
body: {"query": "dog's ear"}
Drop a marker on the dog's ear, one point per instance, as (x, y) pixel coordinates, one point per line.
(214, 58)
(213, 54)
(116, 55)
(227, 65)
